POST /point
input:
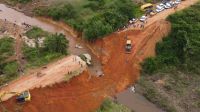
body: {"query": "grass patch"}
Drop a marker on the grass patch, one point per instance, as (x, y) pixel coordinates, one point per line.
(36, 32)
(9, 72)
(110, 106)
(6, 47)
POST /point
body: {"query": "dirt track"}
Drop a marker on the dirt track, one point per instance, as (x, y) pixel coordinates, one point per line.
(121, 70)
(51, 74)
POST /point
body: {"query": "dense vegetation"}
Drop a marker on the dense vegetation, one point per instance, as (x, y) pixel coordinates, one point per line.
(174, 72)
(8, 70)
(182, 47)
(110, 106)
(54, 46)
(95, 18)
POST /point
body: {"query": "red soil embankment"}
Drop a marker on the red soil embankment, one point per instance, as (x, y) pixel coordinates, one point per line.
(121, 70)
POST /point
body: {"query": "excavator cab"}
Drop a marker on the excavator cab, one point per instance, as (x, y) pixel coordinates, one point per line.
(23, 97)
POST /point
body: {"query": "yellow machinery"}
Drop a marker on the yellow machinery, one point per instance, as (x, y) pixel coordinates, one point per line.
(146, 6)
(21, 97)
(128, 46)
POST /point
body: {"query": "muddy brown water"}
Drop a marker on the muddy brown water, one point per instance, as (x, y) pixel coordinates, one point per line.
(133, 101)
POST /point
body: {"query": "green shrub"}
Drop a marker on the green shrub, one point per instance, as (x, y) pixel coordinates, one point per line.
(36, 32)
(149, 66)
(11, 69)
(6, 47)
(56, 43)
(110, 106)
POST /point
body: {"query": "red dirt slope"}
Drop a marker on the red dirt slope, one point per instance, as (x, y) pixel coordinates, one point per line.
(121, 70)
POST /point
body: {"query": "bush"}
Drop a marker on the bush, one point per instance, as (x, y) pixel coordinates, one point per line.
(149, 66)
(56, 43)
(6, 47)
(110, 106)
(11, 69)
(36, 32)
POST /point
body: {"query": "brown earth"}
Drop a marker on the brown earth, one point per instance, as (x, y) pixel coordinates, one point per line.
(121, 70)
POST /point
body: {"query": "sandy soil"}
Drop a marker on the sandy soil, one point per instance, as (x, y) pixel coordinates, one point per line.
(121, 70)
(51, 74)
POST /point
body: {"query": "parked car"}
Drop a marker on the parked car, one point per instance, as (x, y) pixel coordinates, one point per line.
(177, 2)
(143, 18)
(168, 4)
(172, 3)
(159, 8)
(134, 20)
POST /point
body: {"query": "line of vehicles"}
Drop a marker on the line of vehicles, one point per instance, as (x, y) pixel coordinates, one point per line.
(151, 9)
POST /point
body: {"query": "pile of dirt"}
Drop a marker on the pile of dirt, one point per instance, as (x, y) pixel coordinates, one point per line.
(120, 69)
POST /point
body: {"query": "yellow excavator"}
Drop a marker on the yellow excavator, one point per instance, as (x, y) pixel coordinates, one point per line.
(21, 97)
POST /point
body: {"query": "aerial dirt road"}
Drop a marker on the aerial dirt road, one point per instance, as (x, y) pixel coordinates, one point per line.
(120, 69)
(46, 76)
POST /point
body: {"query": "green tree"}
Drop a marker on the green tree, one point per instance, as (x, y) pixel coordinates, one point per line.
(56, 43)
(96, 28)
(149, 66)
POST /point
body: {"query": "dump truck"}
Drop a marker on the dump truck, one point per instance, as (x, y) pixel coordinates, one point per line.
(21, 97)
(128, 46)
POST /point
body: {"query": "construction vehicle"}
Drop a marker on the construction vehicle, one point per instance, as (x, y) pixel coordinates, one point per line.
(87, 58)
(21, 97)
(128, 46)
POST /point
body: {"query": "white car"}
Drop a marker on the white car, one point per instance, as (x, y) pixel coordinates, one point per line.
(169, 5)
(134, 20)
(162, 5)
(172, 3)
(130, 21)
(143, 18)
(159, 8)
(177, 2)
